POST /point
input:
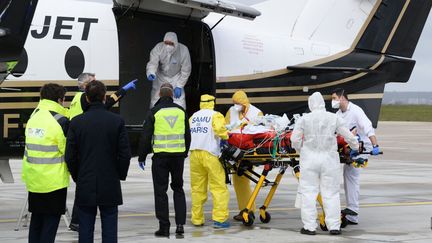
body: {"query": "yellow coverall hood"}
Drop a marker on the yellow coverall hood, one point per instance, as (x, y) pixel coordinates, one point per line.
(207, 102)
(240, 97)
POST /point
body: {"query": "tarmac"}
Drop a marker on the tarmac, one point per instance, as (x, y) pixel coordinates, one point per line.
(396, 201)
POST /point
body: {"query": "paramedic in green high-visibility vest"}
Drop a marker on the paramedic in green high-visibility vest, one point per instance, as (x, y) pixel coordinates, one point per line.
(79, 103)
(44, 170)
(166, 134)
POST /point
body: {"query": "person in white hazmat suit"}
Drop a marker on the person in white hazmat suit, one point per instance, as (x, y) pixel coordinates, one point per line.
(314, 137)
(169, 63)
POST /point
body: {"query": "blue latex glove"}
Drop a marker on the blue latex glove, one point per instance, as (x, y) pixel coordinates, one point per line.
(130, 85)
(375, 150)
(177, 92)
(141, 164)
(151, 77)
(353, 153)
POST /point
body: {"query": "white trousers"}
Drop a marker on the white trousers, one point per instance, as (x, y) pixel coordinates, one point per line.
(320, 176)
(352, 190)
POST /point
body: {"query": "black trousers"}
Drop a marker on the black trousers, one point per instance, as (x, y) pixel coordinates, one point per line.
(75, 214)
(161, 168)
(43, 227)
(109, 221)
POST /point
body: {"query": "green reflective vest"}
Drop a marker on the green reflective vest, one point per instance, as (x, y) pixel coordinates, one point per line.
(75, 106)
(44, 168)
(169, 131)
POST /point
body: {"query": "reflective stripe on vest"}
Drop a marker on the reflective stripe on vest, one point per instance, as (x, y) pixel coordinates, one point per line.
(43, 148)
(38, 160)
(169, 129)
(168, 137)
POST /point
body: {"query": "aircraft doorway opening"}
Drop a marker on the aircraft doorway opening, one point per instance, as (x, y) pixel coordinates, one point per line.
(138, 34)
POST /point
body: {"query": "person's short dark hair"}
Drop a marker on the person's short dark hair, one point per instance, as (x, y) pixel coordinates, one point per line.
(95, 91)
(52, 92)
(340, 92)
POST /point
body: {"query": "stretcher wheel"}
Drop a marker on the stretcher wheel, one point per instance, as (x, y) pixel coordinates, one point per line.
(266, 219)
(323, 227)
(251, 218)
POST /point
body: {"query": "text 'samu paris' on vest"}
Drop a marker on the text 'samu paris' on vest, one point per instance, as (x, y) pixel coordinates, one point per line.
(202, 134)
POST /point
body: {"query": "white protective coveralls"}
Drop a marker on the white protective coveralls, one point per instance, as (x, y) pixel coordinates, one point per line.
(172, 67)
(314, 136)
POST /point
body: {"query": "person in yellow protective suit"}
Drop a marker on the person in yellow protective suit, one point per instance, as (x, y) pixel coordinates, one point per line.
(207, 133)
(242, 112)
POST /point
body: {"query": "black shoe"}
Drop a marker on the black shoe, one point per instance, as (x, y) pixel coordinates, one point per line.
(351, 222)
(335, 232)
(162, 232)
(345, 222)
(307, 232)
(74, 227)
(180, 229)
(348, 211)
(238, 217)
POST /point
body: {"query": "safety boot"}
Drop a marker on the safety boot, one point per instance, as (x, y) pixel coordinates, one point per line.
(335, 232)
(307, 232)
(162, 232)
(180, 229)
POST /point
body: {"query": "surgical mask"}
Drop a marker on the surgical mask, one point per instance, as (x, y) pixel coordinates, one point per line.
(238, 107)
(169, 48)
(335, 104)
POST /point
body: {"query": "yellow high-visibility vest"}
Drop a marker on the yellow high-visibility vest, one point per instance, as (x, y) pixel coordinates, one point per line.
(75, 106)
(169, 131)
(44, 169)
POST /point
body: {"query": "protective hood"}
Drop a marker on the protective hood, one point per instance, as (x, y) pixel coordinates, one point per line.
(240, 97)
(207, 102)
(171, 36)
(316, 102)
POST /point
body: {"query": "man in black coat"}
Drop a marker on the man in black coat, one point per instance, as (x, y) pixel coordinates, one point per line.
(98, 157)
(166, 135)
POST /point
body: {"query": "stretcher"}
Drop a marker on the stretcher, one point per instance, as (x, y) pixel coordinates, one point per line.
(271, 151)
(268, 150)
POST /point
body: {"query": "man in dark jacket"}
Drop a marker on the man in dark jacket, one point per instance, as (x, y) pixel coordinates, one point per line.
(166, 134)
(79, 105)
(98, 157)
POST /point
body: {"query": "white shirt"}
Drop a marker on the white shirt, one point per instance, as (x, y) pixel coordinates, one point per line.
(354, 116)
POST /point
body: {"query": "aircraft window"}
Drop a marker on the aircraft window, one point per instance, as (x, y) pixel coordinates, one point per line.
(74, 62)
(21, 66)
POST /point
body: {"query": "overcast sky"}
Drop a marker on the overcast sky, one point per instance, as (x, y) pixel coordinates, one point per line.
(421, 78)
